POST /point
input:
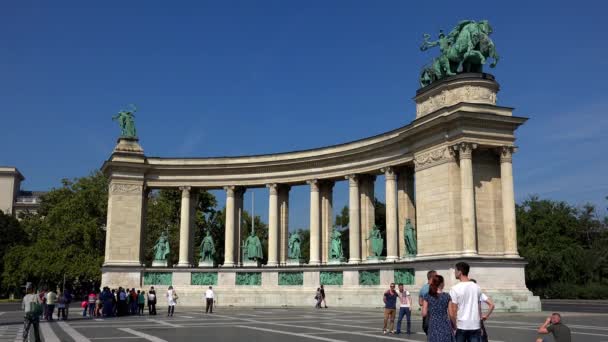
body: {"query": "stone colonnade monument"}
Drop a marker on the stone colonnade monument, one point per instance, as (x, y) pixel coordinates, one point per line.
(449, 198)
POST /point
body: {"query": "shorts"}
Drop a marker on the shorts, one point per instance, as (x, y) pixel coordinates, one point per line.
(389, 313)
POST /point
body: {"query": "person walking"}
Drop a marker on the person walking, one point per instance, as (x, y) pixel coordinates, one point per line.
(141, 302)
(405, 301)
(464, 306)
(61, 306)
(435, 309)
(318, 298)
(51, 300)
(323, 297)
(152, 301)
(32, 307)
(68, 300)
(171, 301)
(209, 295)
(553, 325)
(390, 307)
(424, 291)
(91, 300)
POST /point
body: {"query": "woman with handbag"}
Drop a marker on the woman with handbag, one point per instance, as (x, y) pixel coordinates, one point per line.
(171, 301)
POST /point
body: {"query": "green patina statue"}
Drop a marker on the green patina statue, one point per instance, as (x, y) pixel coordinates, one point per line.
(377, 241)
(295, 240)
(411, 248)
(161, 249)
(253, 247)
(464, 49)
(336, 252)
(207, 248)
(126, 120)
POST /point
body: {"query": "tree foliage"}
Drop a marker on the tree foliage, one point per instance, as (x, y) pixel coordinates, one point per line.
(565, 247)
(65, 239)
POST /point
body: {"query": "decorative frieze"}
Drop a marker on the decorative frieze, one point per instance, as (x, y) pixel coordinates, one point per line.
(158, 278)
(434, 157)
(203, 278)
(125, 189)
(451, 96)
(405, 276)
(331, 278)
(249, 278)
(291, 278)
(369, 278)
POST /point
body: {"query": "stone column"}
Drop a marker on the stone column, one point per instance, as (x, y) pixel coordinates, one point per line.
(229, 237)
(273, 225)
(368, 212)
(184, 229)
(392, 234)
(315, 221)
(283, 223)
(326, 189)
(405, 200)
(239, 192)
(467, 202)
(354, 233)
(508, 201)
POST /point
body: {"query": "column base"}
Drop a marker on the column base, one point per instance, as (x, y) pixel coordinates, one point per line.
(183, 264)
(512, 255)
(314, 262)
(469, 253)
(392, 258)
(354, 261)
(228, 264)
(272, 264)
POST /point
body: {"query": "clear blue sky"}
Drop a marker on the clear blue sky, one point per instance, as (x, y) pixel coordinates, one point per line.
(251, 77)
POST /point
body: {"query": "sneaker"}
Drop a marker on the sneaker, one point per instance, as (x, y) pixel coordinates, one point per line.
(384, 332)
(392, 331)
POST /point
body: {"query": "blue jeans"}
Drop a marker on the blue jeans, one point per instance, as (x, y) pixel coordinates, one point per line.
(468, 335)
(407, 313)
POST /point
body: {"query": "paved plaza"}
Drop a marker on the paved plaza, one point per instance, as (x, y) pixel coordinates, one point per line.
(280, 324)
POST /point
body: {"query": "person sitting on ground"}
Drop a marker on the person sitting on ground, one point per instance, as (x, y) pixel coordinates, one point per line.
(553, 325)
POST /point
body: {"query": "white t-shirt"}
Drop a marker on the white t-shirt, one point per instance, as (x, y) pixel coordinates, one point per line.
(26, 305)
(209, 294)
(467, 296)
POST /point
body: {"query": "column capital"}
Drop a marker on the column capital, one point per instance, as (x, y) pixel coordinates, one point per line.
(314, 185)
(230, 190)
(273, 188)
(465, 149)
(506, 153)
(185, 188)
(389, 173)
(353, 180)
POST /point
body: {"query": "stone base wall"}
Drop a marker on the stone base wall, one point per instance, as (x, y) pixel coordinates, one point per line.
(501, 279)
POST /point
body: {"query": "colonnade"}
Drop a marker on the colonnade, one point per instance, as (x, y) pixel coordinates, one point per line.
(400, 205)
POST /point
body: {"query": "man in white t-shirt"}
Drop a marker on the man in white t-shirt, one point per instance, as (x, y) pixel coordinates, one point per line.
(209, 299)
(405, 304)
(464, 306)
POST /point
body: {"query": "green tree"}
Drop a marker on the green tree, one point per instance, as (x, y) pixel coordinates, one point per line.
(66, 236)
(12, 235)
(565, 248)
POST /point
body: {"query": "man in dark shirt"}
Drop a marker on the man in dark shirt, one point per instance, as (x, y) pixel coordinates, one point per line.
(553, 325)
(323, 296)
(390, 307)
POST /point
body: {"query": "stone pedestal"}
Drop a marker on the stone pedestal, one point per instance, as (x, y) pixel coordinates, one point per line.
(251, 263)
(159, 263)
(374, 259)
(205, 263)
(336, 261)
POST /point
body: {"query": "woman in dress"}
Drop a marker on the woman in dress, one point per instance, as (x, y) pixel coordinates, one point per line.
(171, 301)
(435, 307)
